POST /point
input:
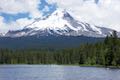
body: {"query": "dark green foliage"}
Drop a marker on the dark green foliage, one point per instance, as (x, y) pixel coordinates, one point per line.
(56, 42)
(105, 53)
(113, 50)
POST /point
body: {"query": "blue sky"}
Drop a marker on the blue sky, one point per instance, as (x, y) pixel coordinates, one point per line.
(52, 7)
(15, 14)
(13, 17)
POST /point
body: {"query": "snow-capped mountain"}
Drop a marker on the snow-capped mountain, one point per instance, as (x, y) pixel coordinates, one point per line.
(60, 23)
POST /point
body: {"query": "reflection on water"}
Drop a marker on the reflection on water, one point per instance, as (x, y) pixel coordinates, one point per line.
(56, 72)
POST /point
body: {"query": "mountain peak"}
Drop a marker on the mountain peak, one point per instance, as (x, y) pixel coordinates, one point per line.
(57, 20)
(61, 13)
(60, 22)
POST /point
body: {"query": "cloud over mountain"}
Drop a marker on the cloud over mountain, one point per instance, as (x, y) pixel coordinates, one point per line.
(20, 6)
(98, 12)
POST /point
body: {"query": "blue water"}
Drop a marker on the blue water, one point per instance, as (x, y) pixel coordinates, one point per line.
(56, 72)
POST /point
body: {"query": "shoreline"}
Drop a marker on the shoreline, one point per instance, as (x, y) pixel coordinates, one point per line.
(97, 66)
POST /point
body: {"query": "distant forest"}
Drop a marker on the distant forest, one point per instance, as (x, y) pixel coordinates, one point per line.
(106, 53)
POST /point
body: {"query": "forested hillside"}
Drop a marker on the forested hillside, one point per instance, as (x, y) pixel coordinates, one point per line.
(106, 53)
(38, 42)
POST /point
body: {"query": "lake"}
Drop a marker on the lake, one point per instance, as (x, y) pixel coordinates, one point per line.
(56, 72)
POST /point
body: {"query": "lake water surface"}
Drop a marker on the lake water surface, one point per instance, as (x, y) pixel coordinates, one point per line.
(56, 72)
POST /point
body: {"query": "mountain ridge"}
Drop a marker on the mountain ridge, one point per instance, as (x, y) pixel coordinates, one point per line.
(60, 23)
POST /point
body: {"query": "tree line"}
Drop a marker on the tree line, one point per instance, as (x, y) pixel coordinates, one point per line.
(106, 53)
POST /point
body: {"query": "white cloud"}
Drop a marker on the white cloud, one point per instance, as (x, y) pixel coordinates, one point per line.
(2, 25)
(105, 13)
(20, 6)
(18, 24)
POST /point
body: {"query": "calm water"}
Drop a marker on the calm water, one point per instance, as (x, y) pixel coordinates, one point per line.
(56, 72)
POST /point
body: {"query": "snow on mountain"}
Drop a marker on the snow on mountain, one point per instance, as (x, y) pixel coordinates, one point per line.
(60, 22)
